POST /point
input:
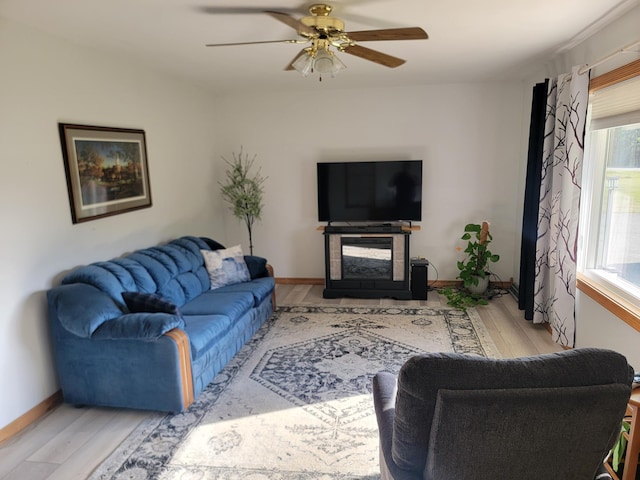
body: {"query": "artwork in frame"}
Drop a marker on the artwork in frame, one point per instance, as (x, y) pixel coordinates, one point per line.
(107, 170)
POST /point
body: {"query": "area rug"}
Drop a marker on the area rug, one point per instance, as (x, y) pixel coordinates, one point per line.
(295, 402)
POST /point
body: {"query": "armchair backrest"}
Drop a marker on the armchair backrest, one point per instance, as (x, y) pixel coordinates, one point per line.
(454, 412)
(523, 433)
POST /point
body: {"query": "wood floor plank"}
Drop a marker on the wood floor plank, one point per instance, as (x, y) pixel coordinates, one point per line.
(538, 333)
(315, 295)
(102, 443)
(72, 438)
(19, 448)
(31, 471)
(297, 295)
(504, 332)
(495, 334)
(282, 291)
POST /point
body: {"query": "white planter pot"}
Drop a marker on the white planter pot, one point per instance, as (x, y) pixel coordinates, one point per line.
(481, 287)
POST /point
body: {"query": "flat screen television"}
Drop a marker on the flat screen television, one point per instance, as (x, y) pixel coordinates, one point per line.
(385, 191)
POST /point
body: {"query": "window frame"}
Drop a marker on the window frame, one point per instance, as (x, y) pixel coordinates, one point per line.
(610, 296)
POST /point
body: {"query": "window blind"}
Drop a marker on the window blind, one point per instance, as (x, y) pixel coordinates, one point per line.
(616, 105)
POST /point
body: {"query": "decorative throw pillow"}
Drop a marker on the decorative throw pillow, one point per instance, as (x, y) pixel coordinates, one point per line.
(139, 302)
(257, 266)
(226, 266)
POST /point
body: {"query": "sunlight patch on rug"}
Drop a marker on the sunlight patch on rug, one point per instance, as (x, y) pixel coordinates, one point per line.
(295, 402)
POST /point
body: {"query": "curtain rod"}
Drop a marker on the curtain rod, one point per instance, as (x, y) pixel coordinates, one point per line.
(625, 49)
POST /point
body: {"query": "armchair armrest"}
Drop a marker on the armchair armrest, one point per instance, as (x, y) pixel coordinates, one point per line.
(138, 326)
(384, 400)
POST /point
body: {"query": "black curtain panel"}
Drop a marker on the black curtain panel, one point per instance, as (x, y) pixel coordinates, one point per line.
(532, 200)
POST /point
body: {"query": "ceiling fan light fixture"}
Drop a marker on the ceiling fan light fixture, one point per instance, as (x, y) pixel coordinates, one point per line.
(337, 66)
(304, 64)
(323, 62)
(326, 62)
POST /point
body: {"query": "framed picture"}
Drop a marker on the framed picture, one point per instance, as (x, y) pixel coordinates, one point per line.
(107, 170)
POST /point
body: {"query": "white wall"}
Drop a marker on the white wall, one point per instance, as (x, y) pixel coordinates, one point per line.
(595, 326)
(468, 135)
(45, 81)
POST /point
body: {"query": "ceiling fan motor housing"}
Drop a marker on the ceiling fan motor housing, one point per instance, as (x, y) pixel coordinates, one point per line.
(327, 25)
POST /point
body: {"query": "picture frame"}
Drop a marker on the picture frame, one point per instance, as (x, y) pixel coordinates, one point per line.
(107, 170)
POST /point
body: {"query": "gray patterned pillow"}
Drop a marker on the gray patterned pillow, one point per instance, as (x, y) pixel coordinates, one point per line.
(226, 267)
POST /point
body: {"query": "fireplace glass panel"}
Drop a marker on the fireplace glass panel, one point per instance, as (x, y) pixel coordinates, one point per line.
(367, 258)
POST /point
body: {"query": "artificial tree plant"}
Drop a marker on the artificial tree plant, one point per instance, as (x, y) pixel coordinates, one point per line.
(244, 191)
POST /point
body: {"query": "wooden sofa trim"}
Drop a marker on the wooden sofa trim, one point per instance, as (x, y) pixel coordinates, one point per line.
(273, 294)
(184, 357)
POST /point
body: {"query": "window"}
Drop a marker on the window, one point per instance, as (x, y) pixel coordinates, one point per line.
(610, 213)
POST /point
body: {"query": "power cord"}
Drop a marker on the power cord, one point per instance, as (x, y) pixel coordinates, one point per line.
(489, 294)
(431, 286)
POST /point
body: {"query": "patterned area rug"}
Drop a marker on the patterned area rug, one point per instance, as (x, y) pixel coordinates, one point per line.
(295, 402)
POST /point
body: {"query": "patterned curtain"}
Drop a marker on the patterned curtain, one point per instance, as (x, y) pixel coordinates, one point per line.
(556, 246)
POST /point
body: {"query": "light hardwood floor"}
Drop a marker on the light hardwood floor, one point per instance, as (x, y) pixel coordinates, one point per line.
(69, 443)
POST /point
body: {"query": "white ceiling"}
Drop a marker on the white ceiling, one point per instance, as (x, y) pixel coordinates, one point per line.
(469, 40)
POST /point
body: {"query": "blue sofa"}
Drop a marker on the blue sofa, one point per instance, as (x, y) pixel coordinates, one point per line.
(107, 355)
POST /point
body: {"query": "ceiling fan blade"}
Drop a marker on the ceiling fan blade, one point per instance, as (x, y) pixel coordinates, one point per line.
(374, 56)
(301, 53)
(287, 19)
(410, 33)
(248, 43)
(243, 10)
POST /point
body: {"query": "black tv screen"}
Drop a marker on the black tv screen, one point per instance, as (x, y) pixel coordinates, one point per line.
(384, 191)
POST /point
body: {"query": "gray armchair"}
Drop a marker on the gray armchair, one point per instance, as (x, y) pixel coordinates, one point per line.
(458, 417)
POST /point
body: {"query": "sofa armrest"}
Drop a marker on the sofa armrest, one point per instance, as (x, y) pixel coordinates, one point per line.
(138, 326)
(81, 308)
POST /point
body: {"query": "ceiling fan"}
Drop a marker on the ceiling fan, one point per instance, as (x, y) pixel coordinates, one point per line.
(323, 32)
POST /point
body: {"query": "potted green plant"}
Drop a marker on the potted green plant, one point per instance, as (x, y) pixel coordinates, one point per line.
(244, 191)
(619, 448)
(474, 270)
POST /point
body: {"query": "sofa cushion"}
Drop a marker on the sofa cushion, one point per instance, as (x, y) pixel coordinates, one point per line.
(139, 302)
(260, 288)
(204, 331)
(226, 266)
(212, 302)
